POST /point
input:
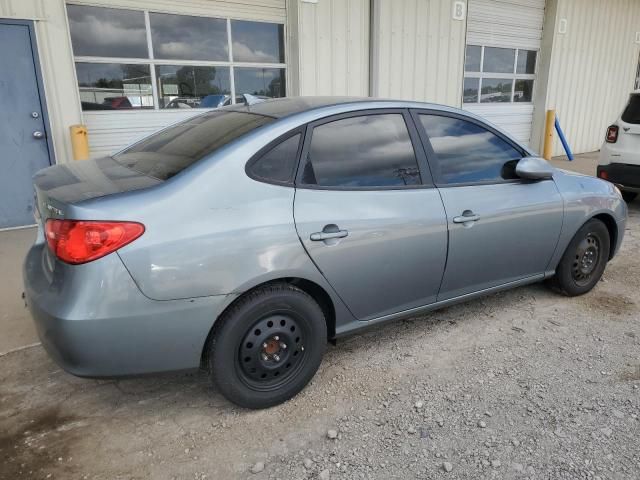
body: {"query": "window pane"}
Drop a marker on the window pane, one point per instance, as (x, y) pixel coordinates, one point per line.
(499, 60)
(257, 42)
(470, 92)
(263, 82)
(278, 163)
(526, 61)
(107, 32)
(185, 86)
(472, 58)
(524, 91)
(114, 86)
(467, 152)
(173, 149)
(631, 112)
(183, 37)
(496, 90)
(367, 151)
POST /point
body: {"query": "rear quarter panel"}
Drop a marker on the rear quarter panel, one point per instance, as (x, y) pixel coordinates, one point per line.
(584, 198)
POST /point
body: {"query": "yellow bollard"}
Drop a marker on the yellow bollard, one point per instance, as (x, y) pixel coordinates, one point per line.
(548, 134)
(79, 142)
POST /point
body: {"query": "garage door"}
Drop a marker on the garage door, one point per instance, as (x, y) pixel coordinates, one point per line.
(503, 44)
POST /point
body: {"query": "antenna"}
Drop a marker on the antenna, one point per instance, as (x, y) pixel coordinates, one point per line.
(251, 99)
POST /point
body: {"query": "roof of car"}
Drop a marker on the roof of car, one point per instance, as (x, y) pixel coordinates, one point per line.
(282, 107)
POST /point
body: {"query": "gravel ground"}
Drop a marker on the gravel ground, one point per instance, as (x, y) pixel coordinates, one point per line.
(522, 384)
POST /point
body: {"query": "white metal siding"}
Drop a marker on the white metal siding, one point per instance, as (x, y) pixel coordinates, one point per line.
(512, 23)
(333, 47)
(593, 67)
(507, 24)
(111, 131)
(418, 51)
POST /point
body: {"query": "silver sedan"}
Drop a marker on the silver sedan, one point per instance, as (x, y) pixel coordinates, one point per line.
(242, 240)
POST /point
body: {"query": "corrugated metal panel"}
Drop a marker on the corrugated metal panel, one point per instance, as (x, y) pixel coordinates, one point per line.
(515, 119)
(418, 51)
(517, 24)
(111, 131)
(593, 67)
(333, 43)
(507, 24)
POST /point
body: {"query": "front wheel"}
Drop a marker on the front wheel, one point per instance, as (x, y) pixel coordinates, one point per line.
(584, 260)
(268, 346)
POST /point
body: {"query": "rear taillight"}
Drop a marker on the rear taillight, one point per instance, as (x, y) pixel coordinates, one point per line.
(82, 241)
(612, 134)
(603, 174)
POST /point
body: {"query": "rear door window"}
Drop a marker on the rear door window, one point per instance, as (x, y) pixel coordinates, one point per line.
(173, 149)
(467, 152)
(631, 113)
(361, 152)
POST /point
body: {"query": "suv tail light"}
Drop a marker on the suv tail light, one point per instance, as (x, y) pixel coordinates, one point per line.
(82, 241)
(612, 134)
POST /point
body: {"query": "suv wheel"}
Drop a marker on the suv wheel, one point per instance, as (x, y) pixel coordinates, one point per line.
(268, 346)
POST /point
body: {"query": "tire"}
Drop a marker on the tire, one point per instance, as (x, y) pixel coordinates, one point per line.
(267, 346)
(629, 196)
(583, 261)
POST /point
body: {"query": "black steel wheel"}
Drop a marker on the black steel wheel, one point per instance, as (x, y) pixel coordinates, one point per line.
(272, 352)
(267, 346)
(584, 260)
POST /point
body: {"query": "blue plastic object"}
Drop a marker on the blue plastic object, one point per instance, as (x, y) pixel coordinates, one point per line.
(566, 146)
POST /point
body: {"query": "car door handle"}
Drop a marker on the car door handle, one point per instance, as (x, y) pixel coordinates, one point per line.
(320, 236)
(467, 216)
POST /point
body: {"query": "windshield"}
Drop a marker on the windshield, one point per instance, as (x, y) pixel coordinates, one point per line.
(173, 149)
(631, 114)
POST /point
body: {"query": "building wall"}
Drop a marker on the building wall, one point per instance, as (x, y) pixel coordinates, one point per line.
(418, 51)
(332, 46)
(592, 68)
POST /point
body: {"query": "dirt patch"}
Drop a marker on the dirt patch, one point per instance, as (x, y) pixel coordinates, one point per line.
(39, 446)
(632, 375)
(611, 303)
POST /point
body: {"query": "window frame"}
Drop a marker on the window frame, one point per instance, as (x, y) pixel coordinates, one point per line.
(153, 62)
(424, 171)
(513, 76)
(432, 156)
(256, 157)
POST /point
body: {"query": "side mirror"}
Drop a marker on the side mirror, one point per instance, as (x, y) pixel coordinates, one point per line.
(534, 168)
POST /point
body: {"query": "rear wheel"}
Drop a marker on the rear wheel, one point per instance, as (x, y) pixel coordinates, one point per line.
(584, 260)
(629, 196)
(268, 346)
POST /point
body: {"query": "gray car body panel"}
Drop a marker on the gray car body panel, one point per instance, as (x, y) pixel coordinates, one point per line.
(213, 233)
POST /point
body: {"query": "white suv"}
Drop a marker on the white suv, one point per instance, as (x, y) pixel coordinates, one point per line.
(620, 153)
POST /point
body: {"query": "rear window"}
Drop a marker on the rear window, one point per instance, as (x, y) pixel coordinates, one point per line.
(631, 114)
(170, 151)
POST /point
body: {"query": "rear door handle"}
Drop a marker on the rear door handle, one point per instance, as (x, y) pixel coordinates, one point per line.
(320, 236)
(467, 216)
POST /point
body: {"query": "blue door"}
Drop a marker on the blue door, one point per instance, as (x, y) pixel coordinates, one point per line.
(23, 136)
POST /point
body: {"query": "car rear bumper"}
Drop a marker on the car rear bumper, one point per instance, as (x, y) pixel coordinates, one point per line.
(94, 322)
(625, 175)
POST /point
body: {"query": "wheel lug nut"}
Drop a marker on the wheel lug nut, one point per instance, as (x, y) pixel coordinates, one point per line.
(265, 357)
(283, 345)
(276, 338)
(264, 345)
(276, 357)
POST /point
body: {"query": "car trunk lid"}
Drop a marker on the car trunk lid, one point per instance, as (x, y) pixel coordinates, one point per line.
(59, 187)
